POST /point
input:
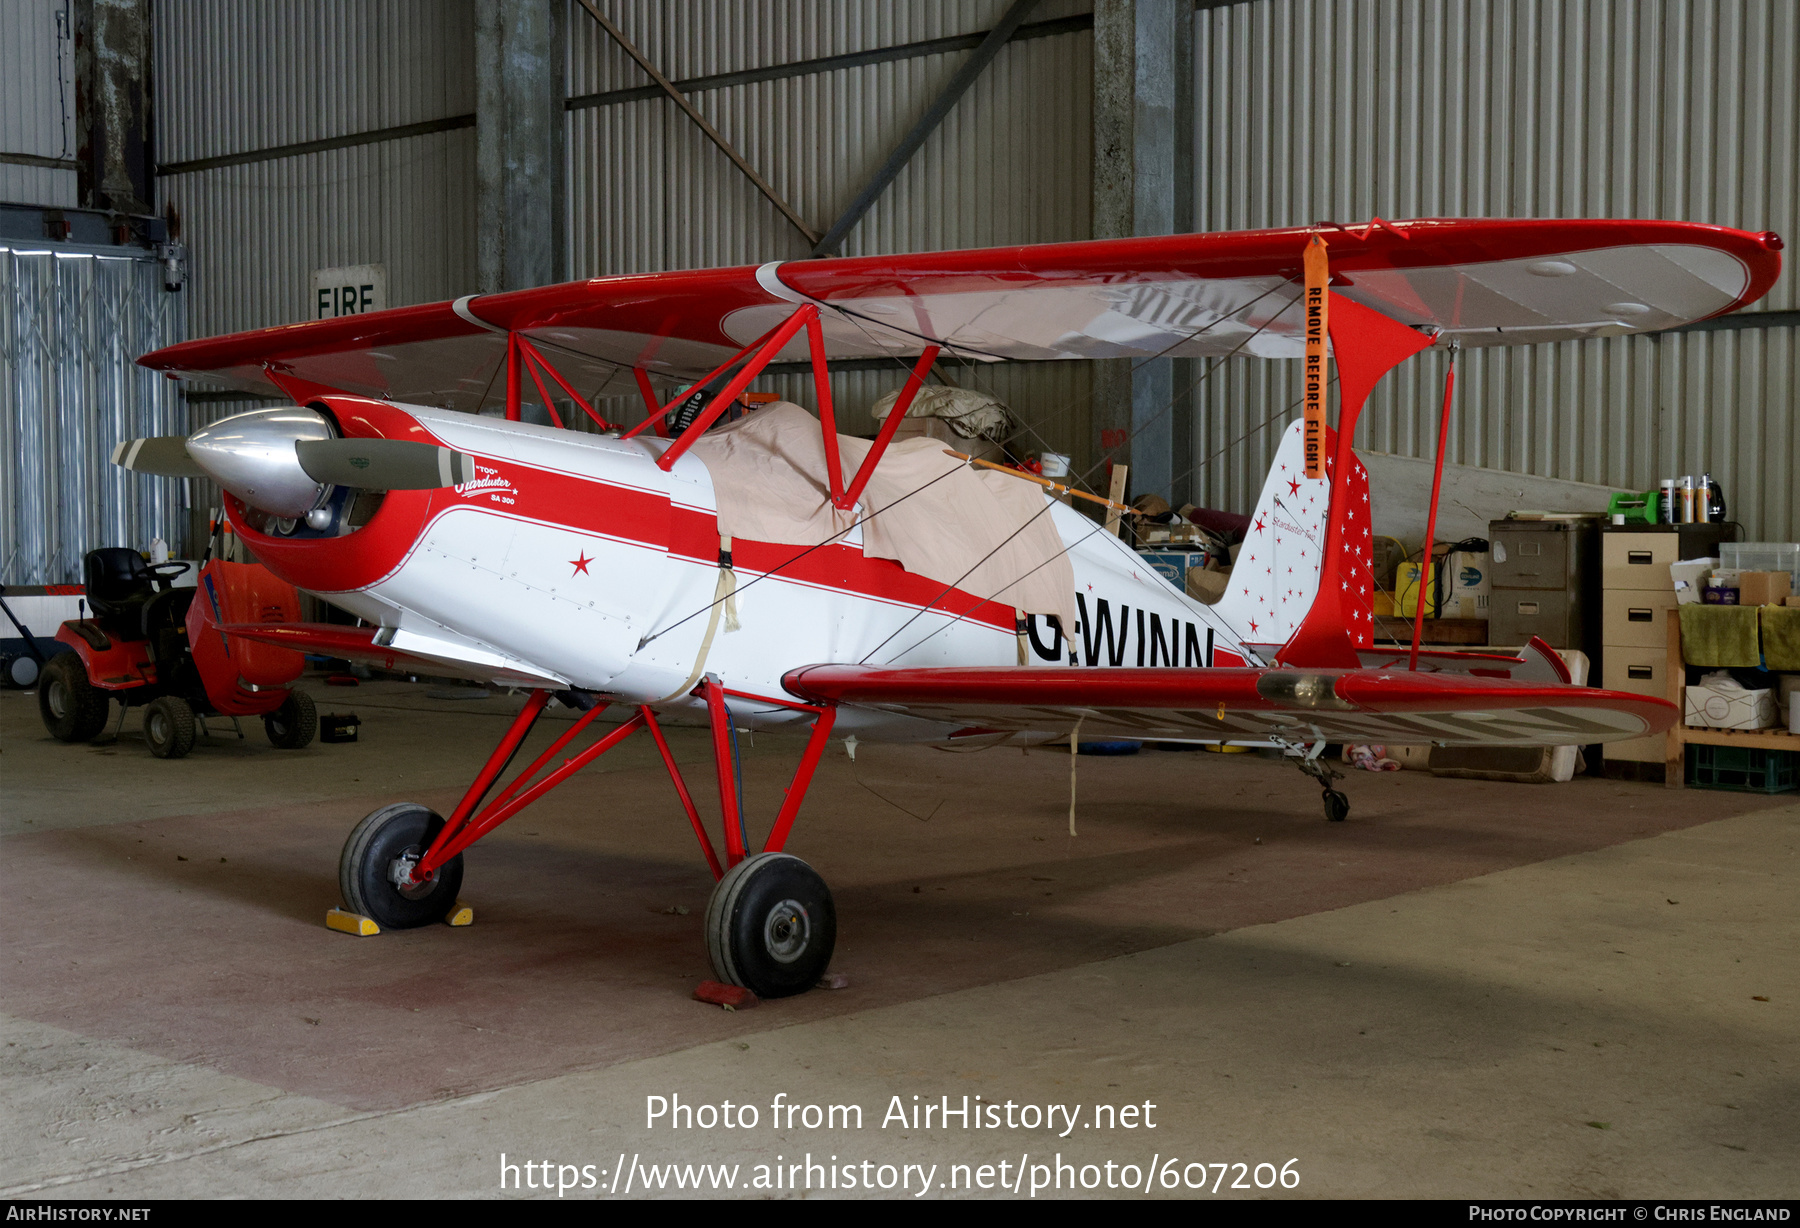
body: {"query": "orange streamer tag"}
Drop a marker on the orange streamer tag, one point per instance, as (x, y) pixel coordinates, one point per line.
(1316, 299)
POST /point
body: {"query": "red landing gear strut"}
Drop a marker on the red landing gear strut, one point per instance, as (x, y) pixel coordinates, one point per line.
(770, 925)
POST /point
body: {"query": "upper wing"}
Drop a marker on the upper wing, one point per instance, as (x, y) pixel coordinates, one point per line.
(1364, 705)
(1481, 281)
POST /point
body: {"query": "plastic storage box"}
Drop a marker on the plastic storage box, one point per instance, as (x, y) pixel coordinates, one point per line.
(1761, 556)
(1743, 769)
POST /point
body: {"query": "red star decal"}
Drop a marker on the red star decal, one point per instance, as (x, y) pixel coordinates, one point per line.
(580, 564)
(1293, 487)
(1253, 626)
(1259, 524)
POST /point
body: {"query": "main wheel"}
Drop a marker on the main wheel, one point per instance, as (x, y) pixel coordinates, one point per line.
(169, 727)
(294, 723)
(1337, 806)
(377, 858)
(771, 926)
(73, 708)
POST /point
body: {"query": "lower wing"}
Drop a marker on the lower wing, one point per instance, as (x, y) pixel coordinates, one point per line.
(1364, 705)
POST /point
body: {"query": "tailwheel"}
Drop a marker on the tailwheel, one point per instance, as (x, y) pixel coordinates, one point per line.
(771, 926)
(1337, 806)
(375, 872)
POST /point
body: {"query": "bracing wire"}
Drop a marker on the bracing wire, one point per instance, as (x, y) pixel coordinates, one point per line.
(1048, 504)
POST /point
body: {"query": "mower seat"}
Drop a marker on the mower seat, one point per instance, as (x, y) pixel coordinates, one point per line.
(119, 585)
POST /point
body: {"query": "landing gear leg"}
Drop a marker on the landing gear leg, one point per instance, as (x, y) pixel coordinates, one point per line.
(1337, 804)
(771, 926)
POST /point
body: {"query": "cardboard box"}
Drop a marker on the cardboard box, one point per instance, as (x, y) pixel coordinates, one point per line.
(1467, 586)
(1720, 703)
(1465, 593)
(1764, 587)
(1174, 565)
(1793, 601)
(1172, 535)
(1689, 578)
(1206, 585)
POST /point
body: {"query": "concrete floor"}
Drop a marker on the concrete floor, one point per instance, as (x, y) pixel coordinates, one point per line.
(1470, 989)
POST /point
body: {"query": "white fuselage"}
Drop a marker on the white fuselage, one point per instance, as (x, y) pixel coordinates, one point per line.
(584, 594)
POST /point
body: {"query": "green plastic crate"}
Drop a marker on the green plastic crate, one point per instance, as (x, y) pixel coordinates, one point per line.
(1744, 769)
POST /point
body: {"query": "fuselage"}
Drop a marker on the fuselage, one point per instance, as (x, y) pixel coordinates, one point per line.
(574, 560)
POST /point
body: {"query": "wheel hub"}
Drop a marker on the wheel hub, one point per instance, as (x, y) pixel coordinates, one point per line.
(400, 873)
(58, 700)
(786, 931)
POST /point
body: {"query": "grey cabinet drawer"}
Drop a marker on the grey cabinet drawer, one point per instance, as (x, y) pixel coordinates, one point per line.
(1518, 614)
(1531, 559)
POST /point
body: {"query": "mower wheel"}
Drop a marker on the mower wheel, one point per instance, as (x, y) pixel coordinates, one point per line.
(73, 709)
(294, 724)
(169, 727)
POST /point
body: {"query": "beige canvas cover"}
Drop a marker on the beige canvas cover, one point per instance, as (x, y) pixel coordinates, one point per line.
(931, 513)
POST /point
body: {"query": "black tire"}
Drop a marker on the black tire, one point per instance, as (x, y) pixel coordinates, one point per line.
(377, 843)
(294, 724)
(771, 926)
(169, 727)
(73, 709)
(1337, 806)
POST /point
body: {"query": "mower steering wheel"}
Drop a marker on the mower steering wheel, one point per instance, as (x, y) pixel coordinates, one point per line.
(162, 574)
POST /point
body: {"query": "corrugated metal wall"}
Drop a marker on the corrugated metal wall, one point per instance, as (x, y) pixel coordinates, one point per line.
(37, 100)
(72, 322)
(1683, 109)
(235, 76)
(1009, 165)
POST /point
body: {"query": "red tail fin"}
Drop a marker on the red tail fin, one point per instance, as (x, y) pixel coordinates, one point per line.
(1366, 345)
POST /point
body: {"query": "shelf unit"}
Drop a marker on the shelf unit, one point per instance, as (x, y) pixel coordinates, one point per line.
(1681, 735)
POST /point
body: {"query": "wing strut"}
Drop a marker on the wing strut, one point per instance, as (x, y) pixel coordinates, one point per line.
(766, 348)
(1437, 485)
(895, 415)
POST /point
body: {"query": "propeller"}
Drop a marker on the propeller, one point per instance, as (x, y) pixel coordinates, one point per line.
(384, 464)
(285, 461)
(164, 455)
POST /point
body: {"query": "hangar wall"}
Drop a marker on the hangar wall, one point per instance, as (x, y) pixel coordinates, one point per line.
(1663, 108)
(239, 82)
(37, 122)
(72, 320)
(1521, 108)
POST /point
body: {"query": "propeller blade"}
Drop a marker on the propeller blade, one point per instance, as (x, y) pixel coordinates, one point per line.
(384, 464)
(166, 455)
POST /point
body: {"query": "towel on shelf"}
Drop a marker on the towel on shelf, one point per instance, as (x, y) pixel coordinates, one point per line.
(1720, 636)
(1781, 636)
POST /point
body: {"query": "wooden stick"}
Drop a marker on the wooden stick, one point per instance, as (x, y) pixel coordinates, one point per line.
(1032, 477)
(1117, 491)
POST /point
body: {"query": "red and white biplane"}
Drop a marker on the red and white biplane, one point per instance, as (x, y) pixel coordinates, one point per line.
(768, 573)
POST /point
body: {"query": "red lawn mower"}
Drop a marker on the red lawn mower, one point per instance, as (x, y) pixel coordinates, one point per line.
(151, 643)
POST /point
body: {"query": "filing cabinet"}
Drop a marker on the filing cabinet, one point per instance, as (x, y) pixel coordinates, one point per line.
(1637, 601)
(1546, 582)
